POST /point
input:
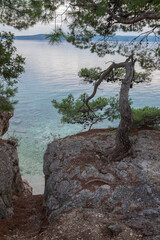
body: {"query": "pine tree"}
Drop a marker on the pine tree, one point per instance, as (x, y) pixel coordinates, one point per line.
(93, 24)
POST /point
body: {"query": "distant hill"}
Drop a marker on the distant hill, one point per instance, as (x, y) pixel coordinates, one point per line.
(130, 38)
(31, 37)
(42, 37)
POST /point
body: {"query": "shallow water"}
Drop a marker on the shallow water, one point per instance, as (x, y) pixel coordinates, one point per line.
(51, 73)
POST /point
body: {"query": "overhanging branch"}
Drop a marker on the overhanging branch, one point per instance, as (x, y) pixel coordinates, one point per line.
(135, 19)
(105, 74)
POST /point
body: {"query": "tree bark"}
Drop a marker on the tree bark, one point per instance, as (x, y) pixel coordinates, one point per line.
(126, 121)
(122, 141)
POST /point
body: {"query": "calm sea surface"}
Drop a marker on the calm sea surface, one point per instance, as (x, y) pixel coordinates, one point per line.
(51, 73)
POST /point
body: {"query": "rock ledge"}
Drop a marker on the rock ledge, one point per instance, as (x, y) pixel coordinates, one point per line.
(128, 191)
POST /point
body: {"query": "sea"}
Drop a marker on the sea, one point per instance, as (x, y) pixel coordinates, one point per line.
(51, 72)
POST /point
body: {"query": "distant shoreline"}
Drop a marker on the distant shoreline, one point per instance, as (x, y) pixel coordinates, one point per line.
(42, 37)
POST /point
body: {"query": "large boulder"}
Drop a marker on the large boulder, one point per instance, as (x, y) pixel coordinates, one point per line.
(75, 178)
(4, 117)
(11, 183)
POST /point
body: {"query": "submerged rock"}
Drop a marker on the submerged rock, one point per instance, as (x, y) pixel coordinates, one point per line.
(126, 190)
(17, 122)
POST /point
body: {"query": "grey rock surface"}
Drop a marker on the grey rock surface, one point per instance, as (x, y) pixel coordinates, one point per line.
(115, 229)
(10, 179)
(4, 117)
(128, 190)
(4, 121)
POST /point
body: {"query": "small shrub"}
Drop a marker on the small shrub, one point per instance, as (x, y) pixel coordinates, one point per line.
(147, 116)
(14, 140)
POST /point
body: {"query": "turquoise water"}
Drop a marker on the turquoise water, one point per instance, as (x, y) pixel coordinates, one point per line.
(51, 73)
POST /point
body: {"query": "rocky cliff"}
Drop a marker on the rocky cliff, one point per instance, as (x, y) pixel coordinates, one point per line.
(77, 177)
(85, 196)
(11, 183)
(4, 116)
(10, 179)
(4, 121)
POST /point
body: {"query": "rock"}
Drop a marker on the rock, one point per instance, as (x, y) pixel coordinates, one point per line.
(145, 226)
(127, 191)
(122, 166)
(4, 117)
(4, 121)
(27, 189)
(152, 213)
(72, 182)
(122, 174)
(17, 122)
(152, 238)
(134, 197)
(114, 229)
(10, 179)
(6, 177)
(20, 130)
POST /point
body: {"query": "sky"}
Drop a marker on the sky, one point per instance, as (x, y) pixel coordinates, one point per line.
(39, 28)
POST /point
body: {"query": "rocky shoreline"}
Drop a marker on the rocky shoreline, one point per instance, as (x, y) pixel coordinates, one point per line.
(85, 197)
(77, 176)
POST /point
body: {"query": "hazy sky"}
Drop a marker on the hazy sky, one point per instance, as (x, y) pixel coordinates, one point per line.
(37, 29)
(42, 28)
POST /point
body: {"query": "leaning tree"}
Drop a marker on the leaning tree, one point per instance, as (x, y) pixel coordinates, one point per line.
(94, 24)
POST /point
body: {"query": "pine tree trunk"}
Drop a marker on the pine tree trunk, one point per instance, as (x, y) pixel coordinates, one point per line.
(122, 142)
(122, 138)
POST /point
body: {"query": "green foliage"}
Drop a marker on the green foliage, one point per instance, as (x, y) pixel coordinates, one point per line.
(147, 116)
(11, 66)
(24, 13)
(91, 74)
(14, 140)
(6, 105)
(75, 111)
(140, 4)
(117, 75)
(19, 14)
(56, 37)
(87, 19)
